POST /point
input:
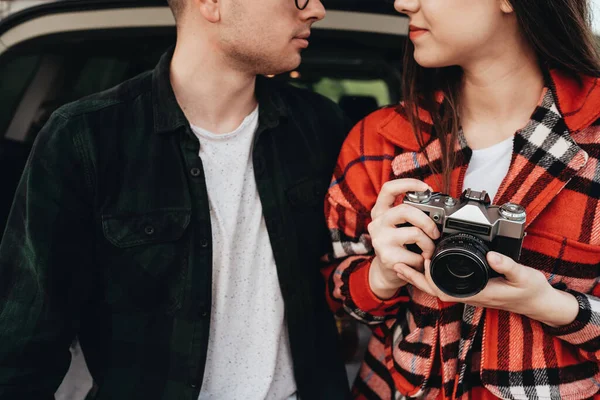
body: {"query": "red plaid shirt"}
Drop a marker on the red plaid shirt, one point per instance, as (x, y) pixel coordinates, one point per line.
(424, 347)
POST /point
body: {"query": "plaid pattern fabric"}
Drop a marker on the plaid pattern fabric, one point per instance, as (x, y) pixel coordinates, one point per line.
(109, 239)
(422, 347)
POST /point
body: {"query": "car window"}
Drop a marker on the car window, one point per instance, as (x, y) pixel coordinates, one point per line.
(338, 88)
(16, 73)
(99, 73)
(45, 77)
(335, 89)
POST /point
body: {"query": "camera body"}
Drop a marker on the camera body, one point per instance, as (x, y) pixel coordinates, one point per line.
(470, 227)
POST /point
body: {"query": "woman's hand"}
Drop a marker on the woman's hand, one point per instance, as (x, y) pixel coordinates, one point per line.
(523, 290)
(389, 241)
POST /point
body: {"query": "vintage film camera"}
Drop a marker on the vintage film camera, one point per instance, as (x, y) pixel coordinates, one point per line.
(469, 227)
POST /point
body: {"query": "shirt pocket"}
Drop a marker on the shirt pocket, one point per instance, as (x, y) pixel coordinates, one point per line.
(146, 258)
(567, 263)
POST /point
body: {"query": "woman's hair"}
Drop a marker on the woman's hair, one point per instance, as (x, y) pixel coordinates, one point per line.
(560, 33)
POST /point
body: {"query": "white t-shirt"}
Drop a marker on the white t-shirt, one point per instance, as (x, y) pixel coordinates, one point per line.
(249, 354)
(488, 167)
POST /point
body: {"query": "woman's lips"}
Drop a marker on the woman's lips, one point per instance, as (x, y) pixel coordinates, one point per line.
(415, 32)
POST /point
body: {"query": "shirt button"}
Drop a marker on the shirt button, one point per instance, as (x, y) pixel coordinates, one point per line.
(193, 385)
(203, 311)
(204, 243)
(195, 172)
(149, 230)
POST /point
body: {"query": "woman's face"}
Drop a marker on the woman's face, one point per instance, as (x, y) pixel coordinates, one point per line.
(458, 32)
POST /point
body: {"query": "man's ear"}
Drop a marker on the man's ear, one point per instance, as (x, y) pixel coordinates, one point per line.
(506, 7)
(209, 9)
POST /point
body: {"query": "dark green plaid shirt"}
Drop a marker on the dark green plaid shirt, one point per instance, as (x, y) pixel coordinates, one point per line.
(109, 239)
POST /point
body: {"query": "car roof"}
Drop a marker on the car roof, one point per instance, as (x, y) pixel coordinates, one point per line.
(11, 7)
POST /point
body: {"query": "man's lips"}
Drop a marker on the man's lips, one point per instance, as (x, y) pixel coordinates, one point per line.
(304, 36)
(302, 39)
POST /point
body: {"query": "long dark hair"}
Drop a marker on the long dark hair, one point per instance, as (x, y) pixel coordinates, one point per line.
(560, 33)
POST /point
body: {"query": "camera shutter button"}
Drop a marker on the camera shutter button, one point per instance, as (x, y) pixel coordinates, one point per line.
(513, 212)
(419, 197)
(450, 202)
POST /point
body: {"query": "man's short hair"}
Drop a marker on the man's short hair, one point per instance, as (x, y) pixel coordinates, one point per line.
(176, 7)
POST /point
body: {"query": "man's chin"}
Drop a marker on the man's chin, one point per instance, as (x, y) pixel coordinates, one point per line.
(281, 68)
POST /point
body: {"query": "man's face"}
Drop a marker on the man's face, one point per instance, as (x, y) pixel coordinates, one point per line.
(266, 36)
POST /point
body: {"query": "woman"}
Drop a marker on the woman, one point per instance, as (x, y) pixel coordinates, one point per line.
(501, 96)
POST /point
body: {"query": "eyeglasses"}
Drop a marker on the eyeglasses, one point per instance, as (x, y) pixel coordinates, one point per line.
(301, 4)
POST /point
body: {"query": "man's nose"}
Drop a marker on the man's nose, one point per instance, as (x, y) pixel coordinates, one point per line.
(314, 11)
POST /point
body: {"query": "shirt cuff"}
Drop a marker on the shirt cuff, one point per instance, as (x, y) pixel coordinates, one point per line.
(581, 321)
(364, 298)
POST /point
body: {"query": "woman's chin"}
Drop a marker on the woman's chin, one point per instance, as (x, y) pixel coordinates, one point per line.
(430, 60)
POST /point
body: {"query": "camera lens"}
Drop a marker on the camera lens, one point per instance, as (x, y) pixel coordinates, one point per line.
(459, 267)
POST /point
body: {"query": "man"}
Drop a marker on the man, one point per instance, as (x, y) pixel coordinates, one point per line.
(174, 224)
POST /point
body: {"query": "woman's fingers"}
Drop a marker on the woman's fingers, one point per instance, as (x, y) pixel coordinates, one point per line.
(414, 235)
(404, 214)
(415, 278)
(412, 260)
(391, 190)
